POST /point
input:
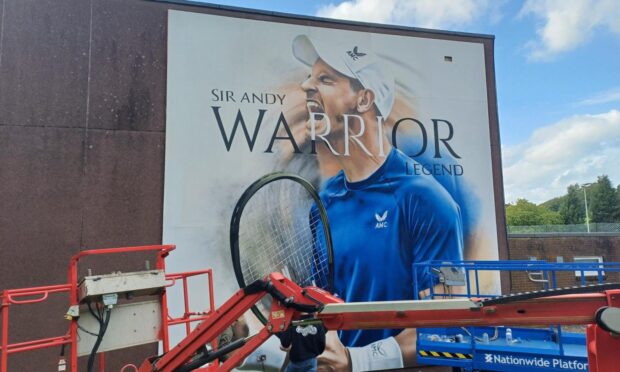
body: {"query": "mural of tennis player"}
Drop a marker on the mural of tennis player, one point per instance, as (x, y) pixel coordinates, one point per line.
(383, 217)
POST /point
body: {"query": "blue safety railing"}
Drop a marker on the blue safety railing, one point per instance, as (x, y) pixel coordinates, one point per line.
(466, 276)
(545, 271)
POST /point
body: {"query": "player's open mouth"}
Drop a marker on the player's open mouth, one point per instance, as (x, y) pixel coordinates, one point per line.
(314, 106)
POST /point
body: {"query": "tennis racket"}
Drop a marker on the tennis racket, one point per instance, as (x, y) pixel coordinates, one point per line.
(280, 225)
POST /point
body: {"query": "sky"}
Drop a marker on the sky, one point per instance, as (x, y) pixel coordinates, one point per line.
(557, 68)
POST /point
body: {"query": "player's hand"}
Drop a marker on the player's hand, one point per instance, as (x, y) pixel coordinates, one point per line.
(335, 357)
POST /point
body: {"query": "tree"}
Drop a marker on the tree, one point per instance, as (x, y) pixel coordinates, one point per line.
(603, 201)
(553, 204)
(617, 214)
(525, 213)
(616, 217)
(572, 209)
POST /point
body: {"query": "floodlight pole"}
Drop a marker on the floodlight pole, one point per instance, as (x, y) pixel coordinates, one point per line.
(585, 199)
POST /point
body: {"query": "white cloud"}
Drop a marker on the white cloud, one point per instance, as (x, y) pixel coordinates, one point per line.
(568, 24)
(441, 14)
(574, 150)
(611, 95)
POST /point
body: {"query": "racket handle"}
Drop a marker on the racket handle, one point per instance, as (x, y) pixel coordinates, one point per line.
(263, 285)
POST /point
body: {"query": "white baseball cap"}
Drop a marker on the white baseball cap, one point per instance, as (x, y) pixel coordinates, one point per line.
(354, 60)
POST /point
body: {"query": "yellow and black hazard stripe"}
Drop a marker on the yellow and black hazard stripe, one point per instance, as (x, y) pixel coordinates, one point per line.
(444, 355)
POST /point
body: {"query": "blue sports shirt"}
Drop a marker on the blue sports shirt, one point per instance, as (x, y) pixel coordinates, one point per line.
(381, 226)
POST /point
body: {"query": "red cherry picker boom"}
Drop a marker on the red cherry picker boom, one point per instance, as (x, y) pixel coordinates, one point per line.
(597, 306)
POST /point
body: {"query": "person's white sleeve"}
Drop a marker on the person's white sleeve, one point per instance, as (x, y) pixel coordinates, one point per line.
(382, 354)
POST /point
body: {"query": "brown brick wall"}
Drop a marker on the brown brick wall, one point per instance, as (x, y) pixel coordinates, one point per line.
(548, 247)
(82, 133)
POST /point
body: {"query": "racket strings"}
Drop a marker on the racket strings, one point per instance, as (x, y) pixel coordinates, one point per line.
(291, 262)
(283, 257)
(269, 247)
(281, 231)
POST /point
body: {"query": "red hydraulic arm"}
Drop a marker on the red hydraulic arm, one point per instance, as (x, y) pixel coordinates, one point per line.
(290, 300)
(280, 317)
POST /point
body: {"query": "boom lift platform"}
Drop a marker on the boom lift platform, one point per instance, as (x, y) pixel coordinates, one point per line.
(598, 306)
(136, 320)
(502, 348)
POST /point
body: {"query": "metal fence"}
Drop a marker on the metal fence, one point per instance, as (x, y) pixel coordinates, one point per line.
(580, 228)
(469, 275)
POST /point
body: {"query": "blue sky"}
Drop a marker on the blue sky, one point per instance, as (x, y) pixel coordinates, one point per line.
(557, 70)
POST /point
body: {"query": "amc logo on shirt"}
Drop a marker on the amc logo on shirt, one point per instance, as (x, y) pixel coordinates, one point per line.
(381, 219)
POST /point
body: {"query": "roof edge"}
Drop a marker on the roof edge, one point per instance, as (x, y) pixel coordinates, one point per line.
(322, 19)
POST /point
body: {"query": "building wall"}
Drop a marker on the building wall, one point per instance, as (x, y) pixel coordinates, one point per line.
(549, 246)
(82, 135)
(82, 119)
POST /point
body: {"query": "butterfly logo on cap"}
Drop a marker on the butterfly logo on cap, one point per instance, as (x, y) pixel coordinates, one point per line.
(354, 54)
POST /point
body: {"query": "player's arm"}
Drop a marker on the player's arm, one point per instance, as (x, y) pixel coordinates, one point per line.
(407, 339)
(335, 357)
(400, 350)
(379, 355)
(435, 234)
(407, 342)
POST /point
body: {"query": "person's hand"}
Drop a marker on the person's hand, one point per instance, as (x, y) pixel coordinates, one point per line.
(335, 357)
(240, 328)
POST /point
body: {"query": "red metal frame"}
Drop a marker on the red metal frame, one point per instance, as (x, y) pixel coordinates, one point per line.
(224, 316)
(14, 297)
(563, 310)
(25, 296)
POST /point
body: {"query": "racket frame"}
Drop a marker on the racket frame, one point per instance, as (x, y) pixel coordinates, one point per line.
(238, 213)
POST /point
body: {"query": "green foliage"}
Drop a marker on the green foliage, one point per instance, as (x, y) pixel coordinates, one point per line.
(572, 209)
(617, 214)
(525, 213)
(604, 205)
(553, 204)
